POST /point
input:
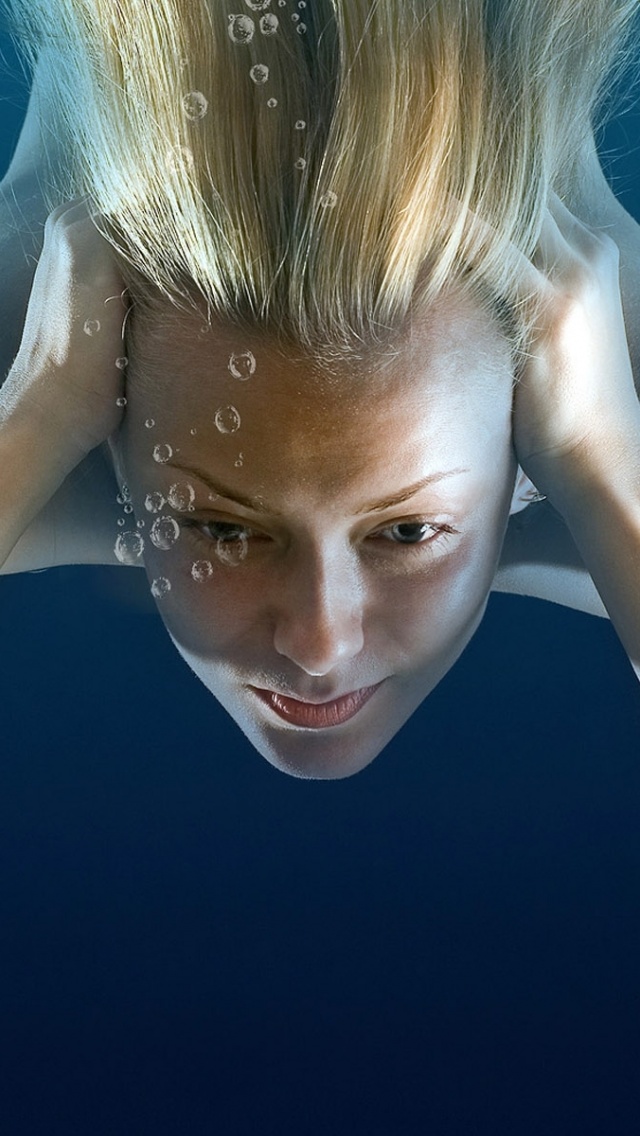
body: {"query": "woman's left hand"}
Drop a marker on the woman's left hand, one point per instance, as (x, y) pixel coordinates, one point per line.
(575, 404)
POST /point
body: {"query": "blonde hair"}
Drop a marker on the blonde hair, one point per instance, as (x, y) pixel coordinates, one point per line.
(307, 170)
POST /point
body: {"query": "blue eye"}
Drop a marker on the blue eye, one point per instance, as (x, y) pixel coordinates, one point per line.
(410, 532)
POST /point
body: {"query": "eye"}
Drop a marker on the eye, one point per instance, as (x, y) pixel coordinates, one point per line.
(409, 532)
(224, 531)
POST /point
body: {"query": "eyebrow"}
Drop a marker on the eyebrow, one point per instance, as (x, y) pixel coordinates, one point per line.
(257, 505)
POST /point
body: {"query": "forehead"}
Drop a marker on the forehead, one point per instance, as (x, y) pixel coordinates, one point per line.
(447, 378)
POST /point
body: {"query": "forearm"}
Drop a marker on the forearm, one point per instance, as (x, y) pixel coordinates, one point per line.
(598, 494)
(31, 474)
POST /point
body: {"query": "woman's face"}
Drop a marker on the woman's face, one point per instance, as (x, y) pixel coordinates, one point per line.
(333, 536)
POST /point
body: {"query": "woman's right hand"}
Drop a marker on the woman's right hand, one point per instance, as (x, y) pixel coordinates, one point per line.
(67, 382)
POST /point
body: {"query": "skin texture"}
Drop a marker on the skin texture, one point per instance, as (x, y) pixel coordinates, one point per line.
(325, 598)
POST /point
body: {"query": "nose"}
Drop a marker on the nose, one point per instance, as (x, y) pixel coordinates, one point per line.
(319, 621)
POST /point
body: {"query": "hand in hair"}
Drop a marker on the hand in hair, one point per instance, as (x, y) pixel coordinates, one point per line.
(63, 395)
(576, 413)
(575, 403)
(68, 376)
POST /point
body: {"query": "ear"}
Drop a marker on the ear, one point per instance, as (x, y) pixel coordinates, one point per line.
(524, 493)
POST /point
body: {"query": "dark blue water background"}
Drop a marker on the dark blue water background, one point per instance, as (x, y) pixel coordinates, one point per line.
(193, 943)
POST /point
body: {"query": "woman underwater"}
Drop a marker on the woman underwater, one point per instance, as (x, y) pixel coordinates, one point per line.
(328, 293)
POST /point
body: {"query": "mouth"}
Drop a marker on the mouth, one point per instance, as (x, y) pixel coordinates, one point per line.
(316, 715)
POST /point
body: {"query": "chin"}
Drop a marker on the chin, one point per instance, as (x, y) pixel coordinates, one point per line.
(314, 758)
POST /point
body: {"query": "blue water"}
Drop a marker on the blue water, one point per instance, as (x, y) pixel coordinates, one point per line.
(191, 943)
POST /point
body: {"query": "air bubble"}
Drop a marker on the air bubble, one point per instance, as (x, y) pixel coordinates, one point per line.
(129, 547)
(271, 103)
(239, 461)
(259, 73)
(301, 124)
(301, 163)
(193, 431)
(121, 499)
(150, 423)
(122, 362)
(121, 522)
(181, 495)
(164, 532)
(121, 401)
(242, 365)
(295, 17)
(179, 159)
(241, 29)
(328, 199)
(160, 586)
(258, 5)
(232, 552)
(140, 524)
(269, 24)
(202, 570)
(162, 453)
(227, 419)
(91, 327)
(195, 105)
(154, 502)
(301, 29)
(128, 509)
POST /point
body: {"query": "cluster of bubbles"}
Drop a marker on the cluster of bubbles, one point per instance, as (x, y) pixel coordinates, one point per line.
(129, 545)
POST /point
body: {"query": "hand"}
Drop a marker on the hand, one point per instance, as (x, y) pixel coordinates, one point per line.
(65, 378)
(575, 403)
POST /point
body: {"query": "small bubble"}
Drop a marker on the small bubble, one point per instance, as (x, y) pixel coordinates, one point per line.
(120, 499)
(239, 461)
(140, 524)
(241, 29)
(195, 105)
(272, 103)
(162, 453)
(193, 431)
(160, 586)
(202, 570)
(282, 3)
(126, 492)
(122, 362)
(213, 496)
(121, 521)
(206, 327)
(232, 552)
(129, 547)
(302, 3)
(301, 124)
(181, 495)
(258, 5)
(91, 327)
(121, 401)
(269, 24)
(227, 419)
(180, 158)
(259, 73)
(301, 29)
(164, 532)
(184, 63)
(328, 199)
(242, 365)
(301, 163)
(154, 502)
(128, 509)
(295, 17)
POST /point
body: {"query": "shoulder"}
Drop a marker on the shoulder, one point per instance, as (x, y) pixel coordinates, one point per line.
(540, 559)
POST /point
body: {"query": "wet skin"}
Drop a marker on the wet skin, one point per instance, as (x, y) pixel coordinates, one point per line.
(324, 595)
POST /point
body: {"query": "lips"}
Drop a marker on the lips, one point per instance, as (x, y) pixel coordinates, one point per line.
(317, 716)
